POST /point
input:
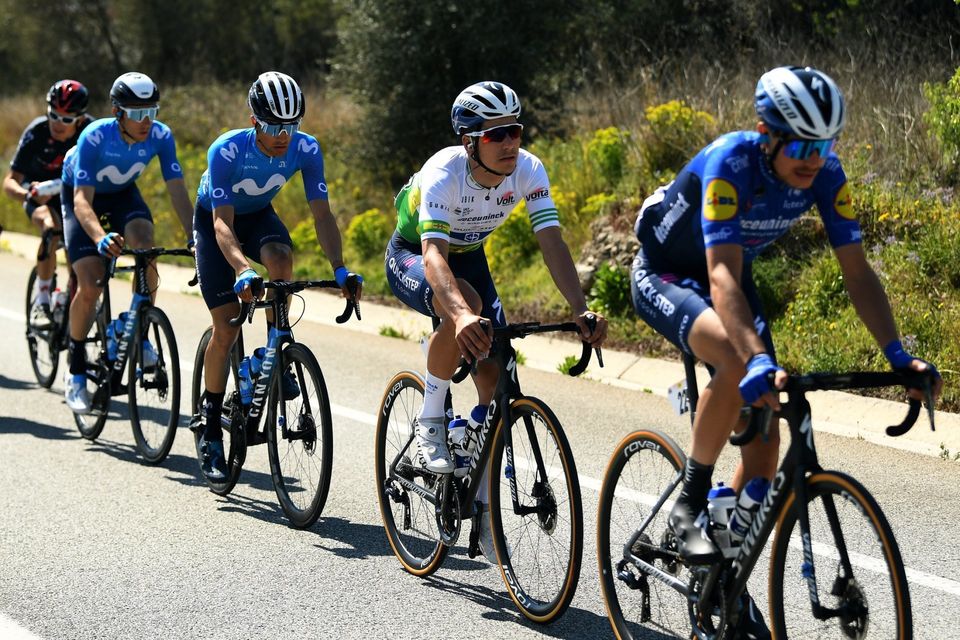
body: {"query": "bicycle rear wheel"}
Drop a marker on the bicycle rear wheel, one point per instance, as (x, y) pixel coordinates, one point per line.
(540, 545)
(91, 425)
(408, 517)
(154, 386)
(643, 468)
(43, 343)
(231, 417)
(871, 592)
(300, 438)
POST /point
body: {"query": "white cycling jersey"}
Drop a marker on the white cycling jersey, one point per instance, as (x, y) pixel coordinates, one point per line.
(443, 200)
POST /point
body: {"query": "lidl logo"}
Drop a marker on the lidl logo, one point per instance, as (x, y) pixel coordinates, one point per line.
(720, 201)
(843, 203)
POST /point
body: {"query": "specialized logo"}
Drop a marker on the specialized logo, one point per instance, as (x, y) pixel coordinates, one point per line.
(676, 210)
(308, 147)
(843, 203)
(250, 187)
(720, 200)
(229, 152)
(112, 173)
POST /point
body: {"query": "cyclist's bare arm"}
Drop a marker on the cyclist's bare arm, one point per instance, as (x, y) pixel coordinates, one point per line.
(11, 185)
(328, 234)
(86, 216)
(181, 204)
(472, 337)
(556, 255)
(227, 238)
(725, 267)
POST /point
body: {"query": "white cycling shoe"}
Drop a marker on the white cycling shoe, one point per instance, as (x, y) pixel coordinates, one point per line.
(486, 538)
(76, 395)
(432, 445)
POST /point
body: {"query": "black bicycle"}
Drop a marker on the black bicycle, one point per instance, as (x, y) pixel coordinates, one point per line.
(835, 567)
(146, 349)
(535, 511)
(46, 341)
(298, 431)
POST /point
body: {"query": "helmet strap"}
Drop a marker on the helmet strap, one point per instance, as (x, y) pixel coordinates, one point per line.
(475, 155)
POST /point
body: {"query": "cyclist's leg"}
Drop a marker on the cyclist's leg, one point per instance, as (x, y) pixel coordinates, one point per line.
(44, 220)
(130, 213)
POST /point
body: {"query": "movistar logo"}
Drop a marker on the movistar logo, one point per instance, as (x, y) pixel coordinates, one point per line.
(113, 174)
(250, 187)
(308, 147)
(229, 152)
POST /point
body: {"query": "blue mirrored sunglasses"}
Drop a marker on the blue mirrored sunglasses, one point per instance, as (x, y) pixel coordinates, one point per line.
(277, 129)
(803, 149)
(139, 114)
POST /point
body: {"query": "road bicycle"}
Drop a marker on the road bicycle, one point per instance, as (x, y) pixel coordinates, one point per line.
(146, 349)
(46, 342)
(535, 509)
(835, 569)
(298, 431)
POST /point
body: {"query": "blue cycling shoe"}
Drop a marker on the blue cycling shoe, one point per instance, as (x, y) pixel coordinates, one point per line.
(213, 462)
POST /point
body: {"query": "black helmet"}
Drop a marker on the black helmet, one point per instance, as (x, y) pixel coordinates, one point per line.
(275, 98)
(68, 96)
(134, 89)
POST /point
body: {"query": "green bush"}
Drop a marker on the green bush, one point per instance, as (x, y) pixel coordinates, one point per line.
(607, 150)
(512, 246)
(610, 294)
(943, 118)
(368, 233)
(676, 131)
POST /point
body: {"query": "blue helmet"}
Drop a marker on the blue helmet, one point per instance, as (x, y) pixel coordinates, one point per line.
(800, 101)
(482, 101)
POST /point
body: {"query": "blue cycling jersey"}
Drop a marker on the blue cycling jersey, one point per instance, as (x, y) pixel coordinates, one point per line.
(729, 195)
(103, 160)
(240, 175)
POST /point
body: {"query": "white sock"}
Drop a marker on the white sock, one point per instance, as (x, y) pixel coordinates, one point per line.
(41, 290)
(434, 396)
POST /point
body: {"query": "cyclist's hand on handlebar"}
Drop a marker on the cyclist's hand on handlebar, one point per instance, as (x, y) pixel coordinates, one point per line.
(341, 274)
(110, 245)
(248, 285)
(599, 333)
(901, 360)
(755, 387)
(474, 336)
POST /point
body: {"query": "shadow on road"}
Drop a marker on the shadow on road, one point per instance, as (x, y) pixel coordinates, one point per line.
(361, 540)
(16, 385)
(36, 429)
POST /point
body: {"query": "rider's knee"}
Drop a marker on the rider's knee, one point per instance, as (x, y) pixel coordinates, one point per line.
(138, 233)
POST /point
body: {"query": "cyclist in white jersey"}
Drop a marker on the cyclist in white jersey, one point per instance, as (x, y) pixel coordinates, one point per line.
(435, 261)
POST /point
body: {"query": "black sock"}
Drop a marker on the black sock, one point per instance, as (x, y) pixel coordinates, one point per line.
(78, 356)
(697, 480)
(212, 407)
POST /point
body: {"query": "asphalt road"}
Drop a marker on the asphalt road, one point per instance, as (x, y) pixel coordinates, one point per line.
(95, 544)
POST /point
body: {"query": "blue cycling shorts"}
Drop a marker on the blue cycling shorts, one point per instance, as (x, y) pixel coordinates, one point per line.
(115, 210)
(403, 263)
(253, 230)
(670, 302)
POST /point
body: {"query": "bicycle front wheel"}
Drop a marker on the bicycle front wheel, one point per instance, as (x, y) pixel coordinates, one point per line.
(231, 417)
(859, 571)
(408, 517)
(43, 342)
(300, 438)
(154, 386)
(539, 540)
(91, 425)
(640, 481)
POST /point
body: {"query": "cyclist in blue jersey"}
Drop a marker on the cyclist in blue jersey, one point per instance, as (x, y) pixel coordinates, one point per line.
(692, 280)
(234, 222)
(435, 261)
(38, 159)
(99, 186)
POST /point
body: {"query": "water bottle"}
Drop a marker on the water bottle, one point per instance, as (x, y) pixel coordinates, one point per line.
(61, 300)
(246, 384)
(256, 361)
(459, 446)
(721, 501)
(114, 332)
(47, 188)
(747, 506)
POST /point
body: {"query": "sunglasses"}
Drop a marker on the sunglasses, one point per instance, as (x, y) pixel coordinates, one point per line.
(499, 134)
(56, 117)
(276, 129)
(803, 149)
(139, 114)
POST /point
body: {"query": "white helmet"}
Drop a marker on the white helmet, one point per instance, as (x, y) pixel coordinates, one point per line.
(482, 101)
(800, 101)
(275, 98)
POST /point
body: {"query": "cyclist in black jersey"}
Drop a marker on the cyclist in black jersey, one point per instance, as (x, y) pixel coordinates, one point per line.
(692, 281)
(39, 157)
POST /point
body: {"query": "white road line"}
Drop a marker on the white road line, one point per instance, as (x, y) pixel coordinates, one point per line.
(10, 630)
(920, 578)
